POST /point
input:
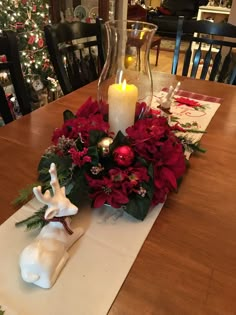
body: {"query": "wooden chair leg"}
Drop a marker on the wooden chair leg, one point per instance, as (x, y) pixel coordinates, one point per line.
(156, 43)
(157, 52)
(4, 108)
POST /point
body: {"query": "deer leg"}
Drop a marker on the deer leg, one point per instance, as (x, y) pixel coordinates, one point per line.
(59, 268)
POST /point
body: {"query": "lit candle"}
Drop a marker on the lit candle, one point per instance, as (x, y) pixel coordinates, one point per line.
(122, 100)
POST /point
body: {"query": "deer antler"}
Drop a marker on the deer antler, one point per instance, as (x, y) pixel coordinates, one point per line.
(54, 181)
(58, 204)
(47, 198)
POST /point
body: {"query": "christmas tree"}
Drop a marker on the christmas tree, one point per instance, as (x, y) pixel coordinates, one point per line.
(28, 18)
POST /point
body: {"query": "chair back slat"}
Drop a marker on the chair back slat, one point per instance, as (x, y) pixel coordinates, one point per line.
(225, 67)
(206, 63)
(216, 66)
(196, 61)
(187, 59)
(209, 59)
(76, 52)
(177, 46)
(232, 77)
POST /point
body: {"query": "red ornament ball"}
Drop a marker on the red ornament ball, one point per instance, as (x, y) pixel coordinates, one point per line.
(123, 155)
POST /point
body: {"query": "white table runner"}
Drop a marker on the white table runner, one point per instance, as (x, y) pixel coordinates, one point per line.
(99, 262)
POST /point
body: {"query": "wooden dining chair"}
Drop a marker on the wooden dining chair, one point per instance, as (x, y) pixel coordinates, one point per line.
(76, 52)
(210, 53)
(11, 64)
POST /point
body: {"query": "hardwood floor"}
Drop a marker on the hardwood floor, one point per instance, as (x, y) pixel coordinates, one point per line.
(164, 60)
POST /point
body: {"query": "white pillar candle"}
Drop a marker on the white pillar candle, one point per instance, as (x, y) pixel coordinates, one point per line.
(122, 100)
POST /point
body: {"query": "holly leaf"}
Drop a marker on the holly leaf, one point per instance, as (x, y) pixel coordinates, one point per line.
(79, 186)
(67, 115)
(138, 208)
(119, 140)
(95, 136)
(93, 153)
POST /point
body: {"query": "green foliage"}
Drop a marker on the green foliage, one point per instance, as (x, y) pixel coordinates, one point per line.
(95, 136)
(63, 165)
(2, 312)
(120, 139)
(67, 115)
(36, 221)
(24, 195)
(139, 206)
(191, 146)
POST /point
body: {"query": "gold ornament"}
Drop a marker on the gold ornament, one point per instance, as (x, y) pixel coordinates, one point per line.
(104, 146)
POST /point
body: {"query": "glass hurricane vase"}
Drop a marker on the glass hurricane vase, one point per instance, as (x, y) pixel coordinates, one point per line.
(125, 85)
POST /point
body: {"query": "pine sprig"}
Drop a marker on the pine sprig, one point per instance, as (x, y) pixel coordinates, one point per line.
(24, 195)
(191, 146)
(35, 221)
(195, 131)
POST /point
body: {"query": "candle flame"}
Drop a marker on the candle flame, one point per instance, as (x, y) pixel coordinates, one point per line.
(124, 85)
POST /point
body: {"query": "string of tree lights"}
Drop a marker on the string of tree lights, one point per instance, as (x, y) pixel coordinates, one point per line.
(28, 18)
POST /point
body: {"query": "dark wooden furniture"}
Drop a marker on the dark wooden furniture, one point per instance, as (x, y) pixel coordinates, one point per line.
(167, 24)
(76, 52)
(210, 55)
(156, 43)
(138, 13)
(187, 263)
(9, 48)
(5, 111)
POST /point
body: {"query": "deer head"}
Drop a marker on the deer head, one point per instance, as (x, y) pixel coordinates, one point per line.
(58, 204)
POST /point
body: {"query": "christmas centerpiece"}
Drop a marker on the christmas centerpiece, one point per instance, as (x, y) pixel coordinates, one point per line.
(134, 171)
(116, 150)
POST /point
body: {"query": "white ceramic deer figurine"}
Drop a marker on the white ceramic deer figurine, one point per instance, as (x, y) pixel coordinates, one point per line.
(43, 259)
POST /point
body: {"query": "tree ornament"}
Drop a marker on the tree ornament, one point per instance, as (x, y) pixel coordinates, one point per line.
(104, 146)
(40, 42)
(123, 155)
(31, 40)
(19, 25)
(3, 58)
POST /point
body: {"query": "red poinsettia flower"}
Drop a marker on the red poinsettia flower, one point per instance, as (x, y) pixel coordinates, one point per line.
(80, 127)
(154, 140)
(147, 135)
(106, 191)
(167, 169)
(137, 174)
(187, 101)
(90, 107)
(117, 175)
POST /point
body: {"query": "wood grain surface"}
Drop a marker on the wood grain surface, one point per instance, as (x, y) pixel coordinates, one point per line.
(187, 264)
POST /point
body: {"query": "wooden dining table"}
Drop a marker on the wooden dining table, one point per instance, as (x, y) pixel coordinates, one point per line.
(187, 264)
